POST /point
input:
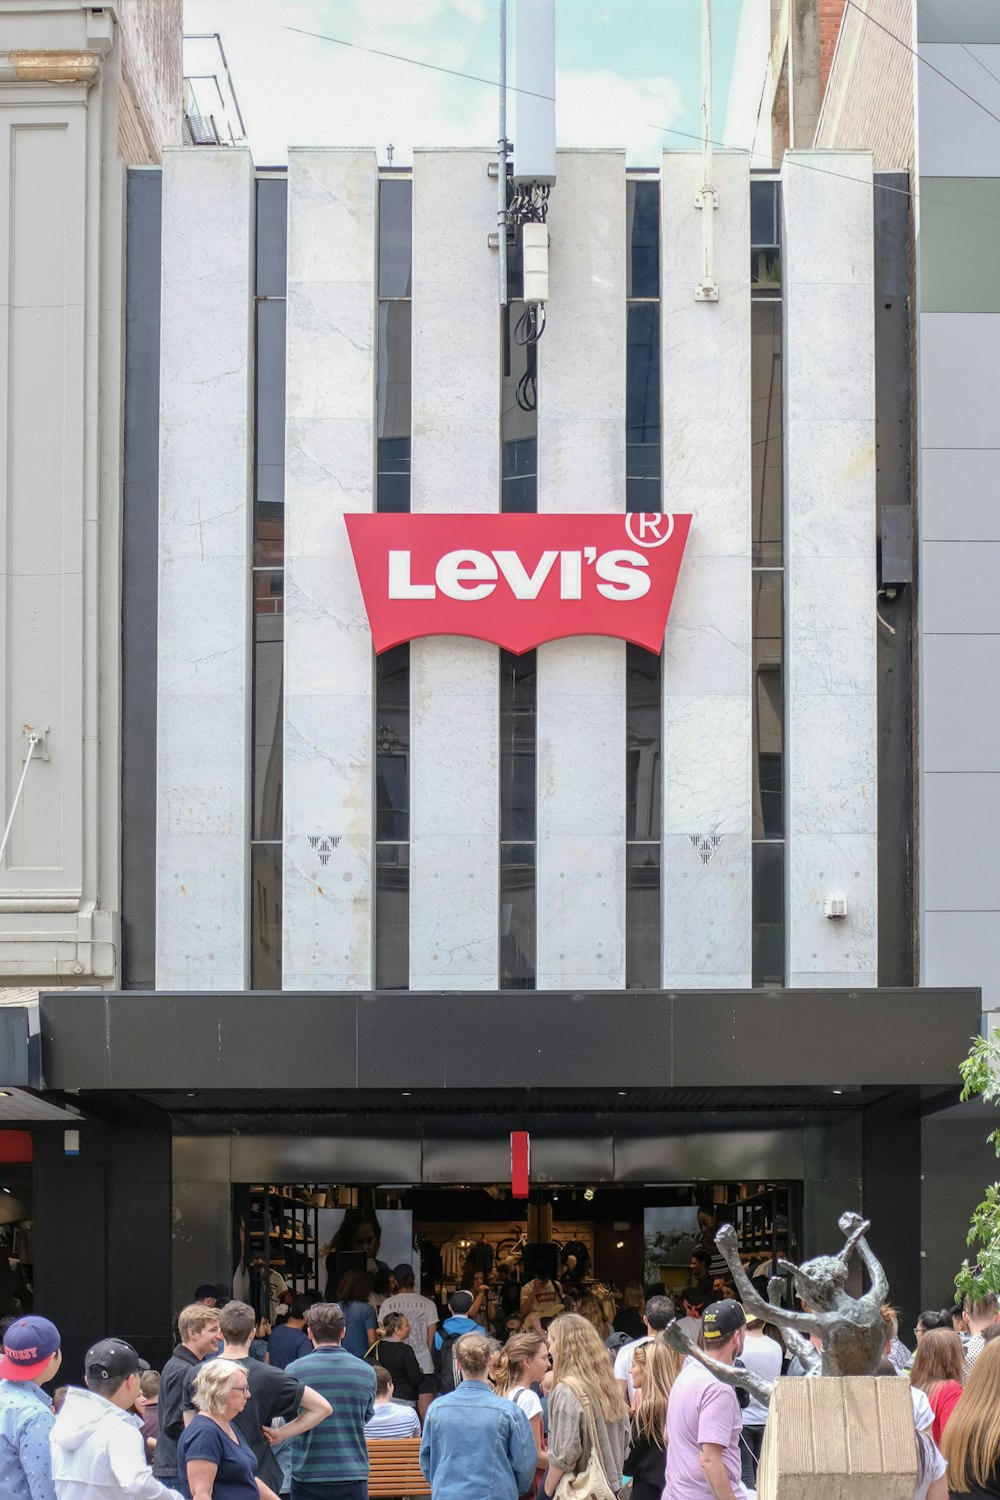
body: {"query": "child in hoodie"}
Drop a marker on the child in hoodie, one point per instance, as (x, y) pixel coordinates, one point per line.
(459, 1305)
(96, 1441)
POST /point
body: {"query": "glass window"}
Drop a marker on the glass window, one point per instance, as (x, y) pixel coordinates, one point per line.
(392, 745)
(764, 212)
(395, 236)
(518, 418)
(269, 433)
(767, 435)
(517, 745)
(769, 914)
(768, 708)
(393, 406)
(518, 731)
(392, 916)
(642, 218)
(642, 407)
(268, 666)
(517, 916)
(272, 236)
(643, 710)
(642, 917)
(265, 919)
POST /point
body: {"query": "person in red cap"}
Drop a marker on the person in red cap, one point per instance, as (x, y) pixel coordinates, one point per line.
(31, 1358)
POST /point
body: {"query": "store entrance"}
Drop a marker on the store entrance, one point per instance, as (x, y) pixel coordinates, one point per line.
(604, 1242)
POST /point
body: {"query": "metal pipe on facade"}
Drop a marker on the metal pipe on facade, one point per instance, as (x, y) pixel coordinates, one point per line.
(707, 289)
(502, 154)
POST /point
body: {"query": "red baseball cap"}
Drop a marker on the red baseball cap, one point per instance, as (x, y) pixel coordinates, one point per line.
(28, 1345)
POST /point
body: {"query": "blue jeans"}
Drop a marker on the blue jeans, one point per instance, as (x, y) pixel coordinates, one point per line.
(356, 1489)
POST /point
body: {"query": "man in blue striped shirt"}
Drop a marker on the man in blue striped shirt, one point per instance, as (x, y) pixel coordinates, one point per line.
(391, 1419)
(331, 1461)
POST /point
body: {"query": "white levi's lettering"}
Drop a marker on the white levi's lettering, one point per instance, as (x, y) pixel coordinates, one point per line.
(621, 581)
(525, 585)
(466, 575)
(400, 585)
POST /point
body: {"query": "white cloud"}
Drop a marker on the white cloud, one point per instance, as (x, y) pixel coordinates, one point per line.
(602, 108)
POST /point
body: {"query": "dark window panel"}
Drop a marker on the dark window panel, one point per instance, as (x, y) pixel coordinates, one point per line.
(392, 916)
(765, 272)
(517, 916)
(768, 706)
(393, 393)
(642, 917)
(767, 436)
(269, 426)
(395, 237)
(265, 916)
(765, 213)
(642, 375)
(268, 666)
(518, 731)
(642, 211)
(518, 426)
(642, 494)
(272, 236)
(769, 914)
(643, 739)
(520, 457)
(392, 745)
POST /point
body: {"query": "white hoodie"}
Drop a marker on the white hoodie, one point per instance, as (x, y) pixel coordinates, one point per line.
(97, 1453)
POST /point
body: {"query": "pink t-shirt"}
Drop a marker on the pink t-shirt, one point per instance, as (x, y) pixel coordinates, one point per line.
(701, 1410)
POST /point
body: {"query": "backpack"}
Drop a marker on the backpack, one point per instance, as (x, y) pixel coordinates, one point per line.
(444, 1364)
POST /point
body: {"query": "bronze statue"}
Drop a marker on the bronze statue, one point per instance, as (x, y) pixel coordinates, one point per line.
(851, 1331)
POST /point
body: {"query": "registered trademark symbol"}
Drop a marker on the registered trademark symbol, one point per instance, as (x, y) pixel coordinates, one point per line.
(654, 528)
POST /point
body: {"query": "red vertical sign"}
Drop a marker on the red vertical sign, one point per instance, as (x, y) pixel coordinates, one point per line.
(520, 1163)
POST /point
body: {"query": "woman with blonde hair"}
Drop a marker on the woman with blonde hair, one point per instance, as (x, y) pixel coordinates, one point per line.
(655, 1367)
(971, 1441)
(938, 1366)
(589, 1308)
(212, 1453)
(521, 1363)
(587, 1405)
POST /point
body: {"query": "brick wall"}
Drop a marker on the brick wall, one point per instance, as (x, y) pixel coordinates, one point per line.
(869, 101)
(830, 15)
(152, 96)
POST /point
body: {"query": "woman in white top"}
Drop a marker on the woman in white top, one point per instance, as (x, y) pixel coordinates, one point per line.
(523, 1362)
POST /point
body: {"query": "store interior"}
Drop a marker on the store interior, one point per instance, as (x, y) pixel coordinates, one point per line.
(595, 1238)
(16, 1238)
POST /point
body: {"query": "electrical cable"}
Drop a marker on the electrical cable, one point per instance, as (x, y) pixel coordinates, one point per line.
(893, 37)
(938, 22)
(689, 135)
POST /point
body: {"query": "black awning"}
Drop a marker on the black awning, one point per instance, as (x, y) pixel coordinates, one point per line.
(662, 1039)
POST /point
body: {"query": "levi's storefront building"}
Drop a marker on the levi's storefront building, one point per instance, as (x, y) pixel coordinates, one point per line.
(512, 742)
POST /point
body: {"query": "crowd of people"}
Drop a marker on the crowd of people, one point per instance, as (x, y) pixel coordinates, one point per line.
(561, 1404)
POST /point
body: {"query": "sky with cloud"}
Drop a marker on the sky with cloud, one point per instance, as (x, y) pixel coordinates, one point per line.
(628, 72)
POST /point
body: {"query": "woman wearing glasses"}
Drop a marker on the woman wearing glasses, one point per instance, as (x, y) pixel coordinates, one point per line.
(214, 1460)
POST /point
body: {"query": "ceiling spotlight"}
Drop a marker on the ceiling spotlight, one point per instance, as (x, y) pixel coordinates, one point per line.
(838, 1091)
(622, 1093)
(619, 1244)
(588, 1194)
(555, 1197)
(4, 1093)
(405, 1094)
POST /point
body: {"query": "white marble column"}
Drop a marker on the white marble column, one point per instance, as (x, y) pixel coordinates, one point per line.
(206, 390)
(707, 665)
(581, 682)
(830, 578)
(329, 471)
(454, 683)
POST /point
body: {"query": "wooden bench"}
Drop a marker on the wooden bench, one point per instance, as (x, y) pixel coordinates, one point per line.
(395, 1468)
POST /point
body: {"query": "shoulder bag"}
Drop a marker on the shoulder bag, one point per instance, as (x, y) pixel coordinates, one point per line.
(592, 1482)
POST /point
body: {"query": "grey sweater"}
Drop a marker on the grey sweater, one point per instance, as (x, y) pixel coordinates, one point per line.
(569, 1436)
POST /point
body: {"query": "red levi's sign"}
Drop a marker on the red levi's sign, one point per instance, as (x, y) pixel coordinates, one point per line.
(518, 580)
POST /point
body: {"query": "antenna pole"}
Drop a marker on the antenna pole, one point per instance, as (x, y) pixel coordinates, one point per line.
(502, 163)
(707, 200)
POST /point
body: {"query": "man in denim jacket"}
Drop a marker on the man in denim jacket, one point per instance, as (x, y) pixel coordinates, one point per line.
(475, 1442)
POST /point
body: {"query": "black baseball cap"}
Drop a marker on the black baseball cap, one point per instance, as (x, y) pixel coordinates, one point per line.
(720, 1319)
(112, 1358)
(460, 1302)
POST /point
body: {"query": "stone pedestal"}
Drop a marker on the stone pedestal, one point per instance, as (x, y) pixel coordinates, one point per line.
(839, 1439)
